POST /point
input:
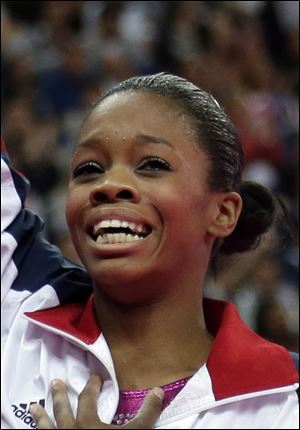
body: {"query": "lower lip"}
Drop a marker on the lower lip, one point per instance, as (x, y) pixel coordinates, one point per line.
(111, 249)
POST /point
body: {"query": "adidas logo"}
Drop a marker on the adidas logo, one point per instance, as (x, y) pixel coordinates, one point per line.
(22, 412)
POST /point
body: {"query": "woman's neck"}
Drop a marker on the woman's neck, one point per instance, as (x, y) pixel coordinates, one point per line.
(157, 343)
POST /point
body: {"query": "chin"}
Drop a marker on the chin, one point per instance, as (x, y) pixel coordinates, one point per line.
(125, 285)
(115, 274)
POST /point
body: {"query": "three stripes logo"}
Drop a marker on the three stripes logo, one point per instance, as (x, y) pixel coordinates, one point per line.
(21, 411)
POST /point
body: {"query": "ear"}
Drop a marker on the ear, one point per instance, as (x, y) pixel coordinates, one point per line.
(228, 209)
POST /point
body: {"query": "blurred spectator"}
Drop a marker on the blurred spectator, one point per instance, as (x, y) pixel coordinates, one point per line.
(271, 323)
(60, 88)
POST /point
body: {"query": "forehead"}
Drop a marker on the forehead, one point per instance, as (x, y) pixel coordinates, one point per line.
(139, 100)
(138, 113)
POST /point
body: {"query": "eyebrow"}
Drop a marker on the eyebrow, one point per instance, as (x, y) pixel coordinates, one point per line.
(140, 138)
(145, 138)
(89, 143)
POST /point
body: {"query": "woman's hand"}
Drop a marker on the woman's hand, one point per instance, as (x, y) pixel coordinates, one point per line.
(87, 417)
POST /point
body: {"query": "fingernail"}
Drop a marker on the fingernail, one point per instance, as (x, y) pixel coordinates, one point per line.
(54, 382)
(33, 409)
(159, 392)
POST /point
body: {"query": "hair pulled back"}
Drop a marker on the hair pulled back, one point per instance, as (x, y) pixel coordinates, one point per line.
(217, 136)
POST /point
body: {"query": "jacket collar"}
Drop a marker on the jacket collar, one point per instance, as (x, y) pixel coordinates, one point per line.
(240, 361)
(75, 319)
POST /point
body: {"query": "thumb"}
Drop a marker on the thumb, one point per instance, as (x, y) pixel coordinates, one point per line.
(149, 411)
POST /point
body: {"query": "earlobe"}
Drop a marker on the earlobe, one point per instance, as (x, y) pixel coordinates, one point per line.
(227, 214)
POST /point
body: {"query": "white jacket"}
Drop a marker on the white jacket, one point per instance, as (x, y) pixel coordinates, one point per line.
(49, 330)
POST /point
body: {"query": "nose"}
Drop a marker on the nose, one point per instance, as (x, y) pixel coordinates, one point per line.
(115, 188)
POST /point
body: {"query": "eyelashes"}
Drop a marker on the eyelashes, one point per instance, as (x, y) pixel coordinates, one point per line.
(88, 168)
(154, 164)
(147, 165)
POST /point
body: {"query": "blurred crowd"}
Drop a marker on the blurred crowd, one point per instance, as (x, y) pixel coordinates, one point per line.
(58, 56)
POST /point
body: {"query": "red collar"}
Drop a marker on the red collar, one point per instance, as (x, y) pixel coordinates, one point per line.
(77, 319)
(240, 361)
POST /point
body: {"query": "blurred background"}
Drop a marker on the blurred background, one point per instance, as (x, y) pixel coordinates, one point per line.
(57, 57)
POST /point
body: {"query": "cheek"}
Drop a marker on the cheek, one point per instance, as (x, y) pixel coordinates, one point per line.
(74, 202)
(185, 220)
(69, 210)
(182, 209)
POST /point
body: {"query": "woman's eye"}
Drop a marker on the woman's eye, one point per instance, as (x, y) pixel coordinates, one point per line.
(88, 168)
(154, 164)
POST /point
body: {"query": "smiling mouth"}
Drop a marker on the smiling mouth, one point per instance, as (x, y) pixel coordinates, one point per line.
(119, 232)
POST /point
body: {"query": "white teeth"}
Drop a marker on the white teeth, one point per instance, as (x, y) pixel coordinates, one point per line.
(116, 238)
(132, 226)
(115, 223)
(122, 237)
(111, 238)
(100, 239)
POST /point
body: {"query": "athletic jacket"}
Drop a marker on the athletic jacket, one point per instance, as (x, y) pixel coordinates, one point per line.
(49, 330)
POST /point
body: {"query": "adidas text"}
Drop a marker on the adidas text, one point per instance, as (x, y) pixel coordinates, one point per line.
(23, 414)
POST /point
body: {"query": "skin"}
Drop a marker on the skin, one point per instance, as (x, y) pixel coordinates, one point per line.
(148, 296)
(87, 417)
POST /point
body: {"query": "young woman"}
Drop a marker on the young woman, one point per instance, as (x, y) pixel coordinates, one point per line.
(155, 193)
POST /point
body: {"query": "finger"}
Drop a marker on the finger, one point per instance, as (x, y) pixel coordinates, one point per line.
(87, 400)
(40, 417)
(61, 405)
(149, 412)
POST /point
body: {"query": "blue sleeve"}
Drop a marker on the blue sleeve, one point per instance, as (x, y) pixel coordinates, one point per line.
(28, 261)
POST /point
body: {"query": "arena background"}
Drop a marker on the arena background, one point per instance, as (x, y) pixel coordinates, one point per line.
(58, 56)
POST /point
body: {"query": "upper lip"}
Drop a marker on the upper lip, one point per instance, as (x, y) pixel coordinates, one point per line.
(122, 214)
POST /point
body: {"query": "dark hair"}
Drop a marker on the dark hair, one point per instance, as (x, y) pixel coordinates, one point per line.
(218, 138)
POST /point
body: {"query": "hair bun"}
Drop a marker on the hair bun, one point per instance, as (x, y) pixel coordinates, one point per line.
(256, 218)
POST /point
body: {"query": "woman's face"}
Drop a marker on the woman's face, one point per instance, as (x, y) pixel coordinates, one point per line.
(138, 206)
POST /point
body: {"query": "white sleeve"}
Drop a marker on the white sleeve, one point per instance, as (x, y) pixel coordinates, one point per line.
(11, 206)
(10, 200)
